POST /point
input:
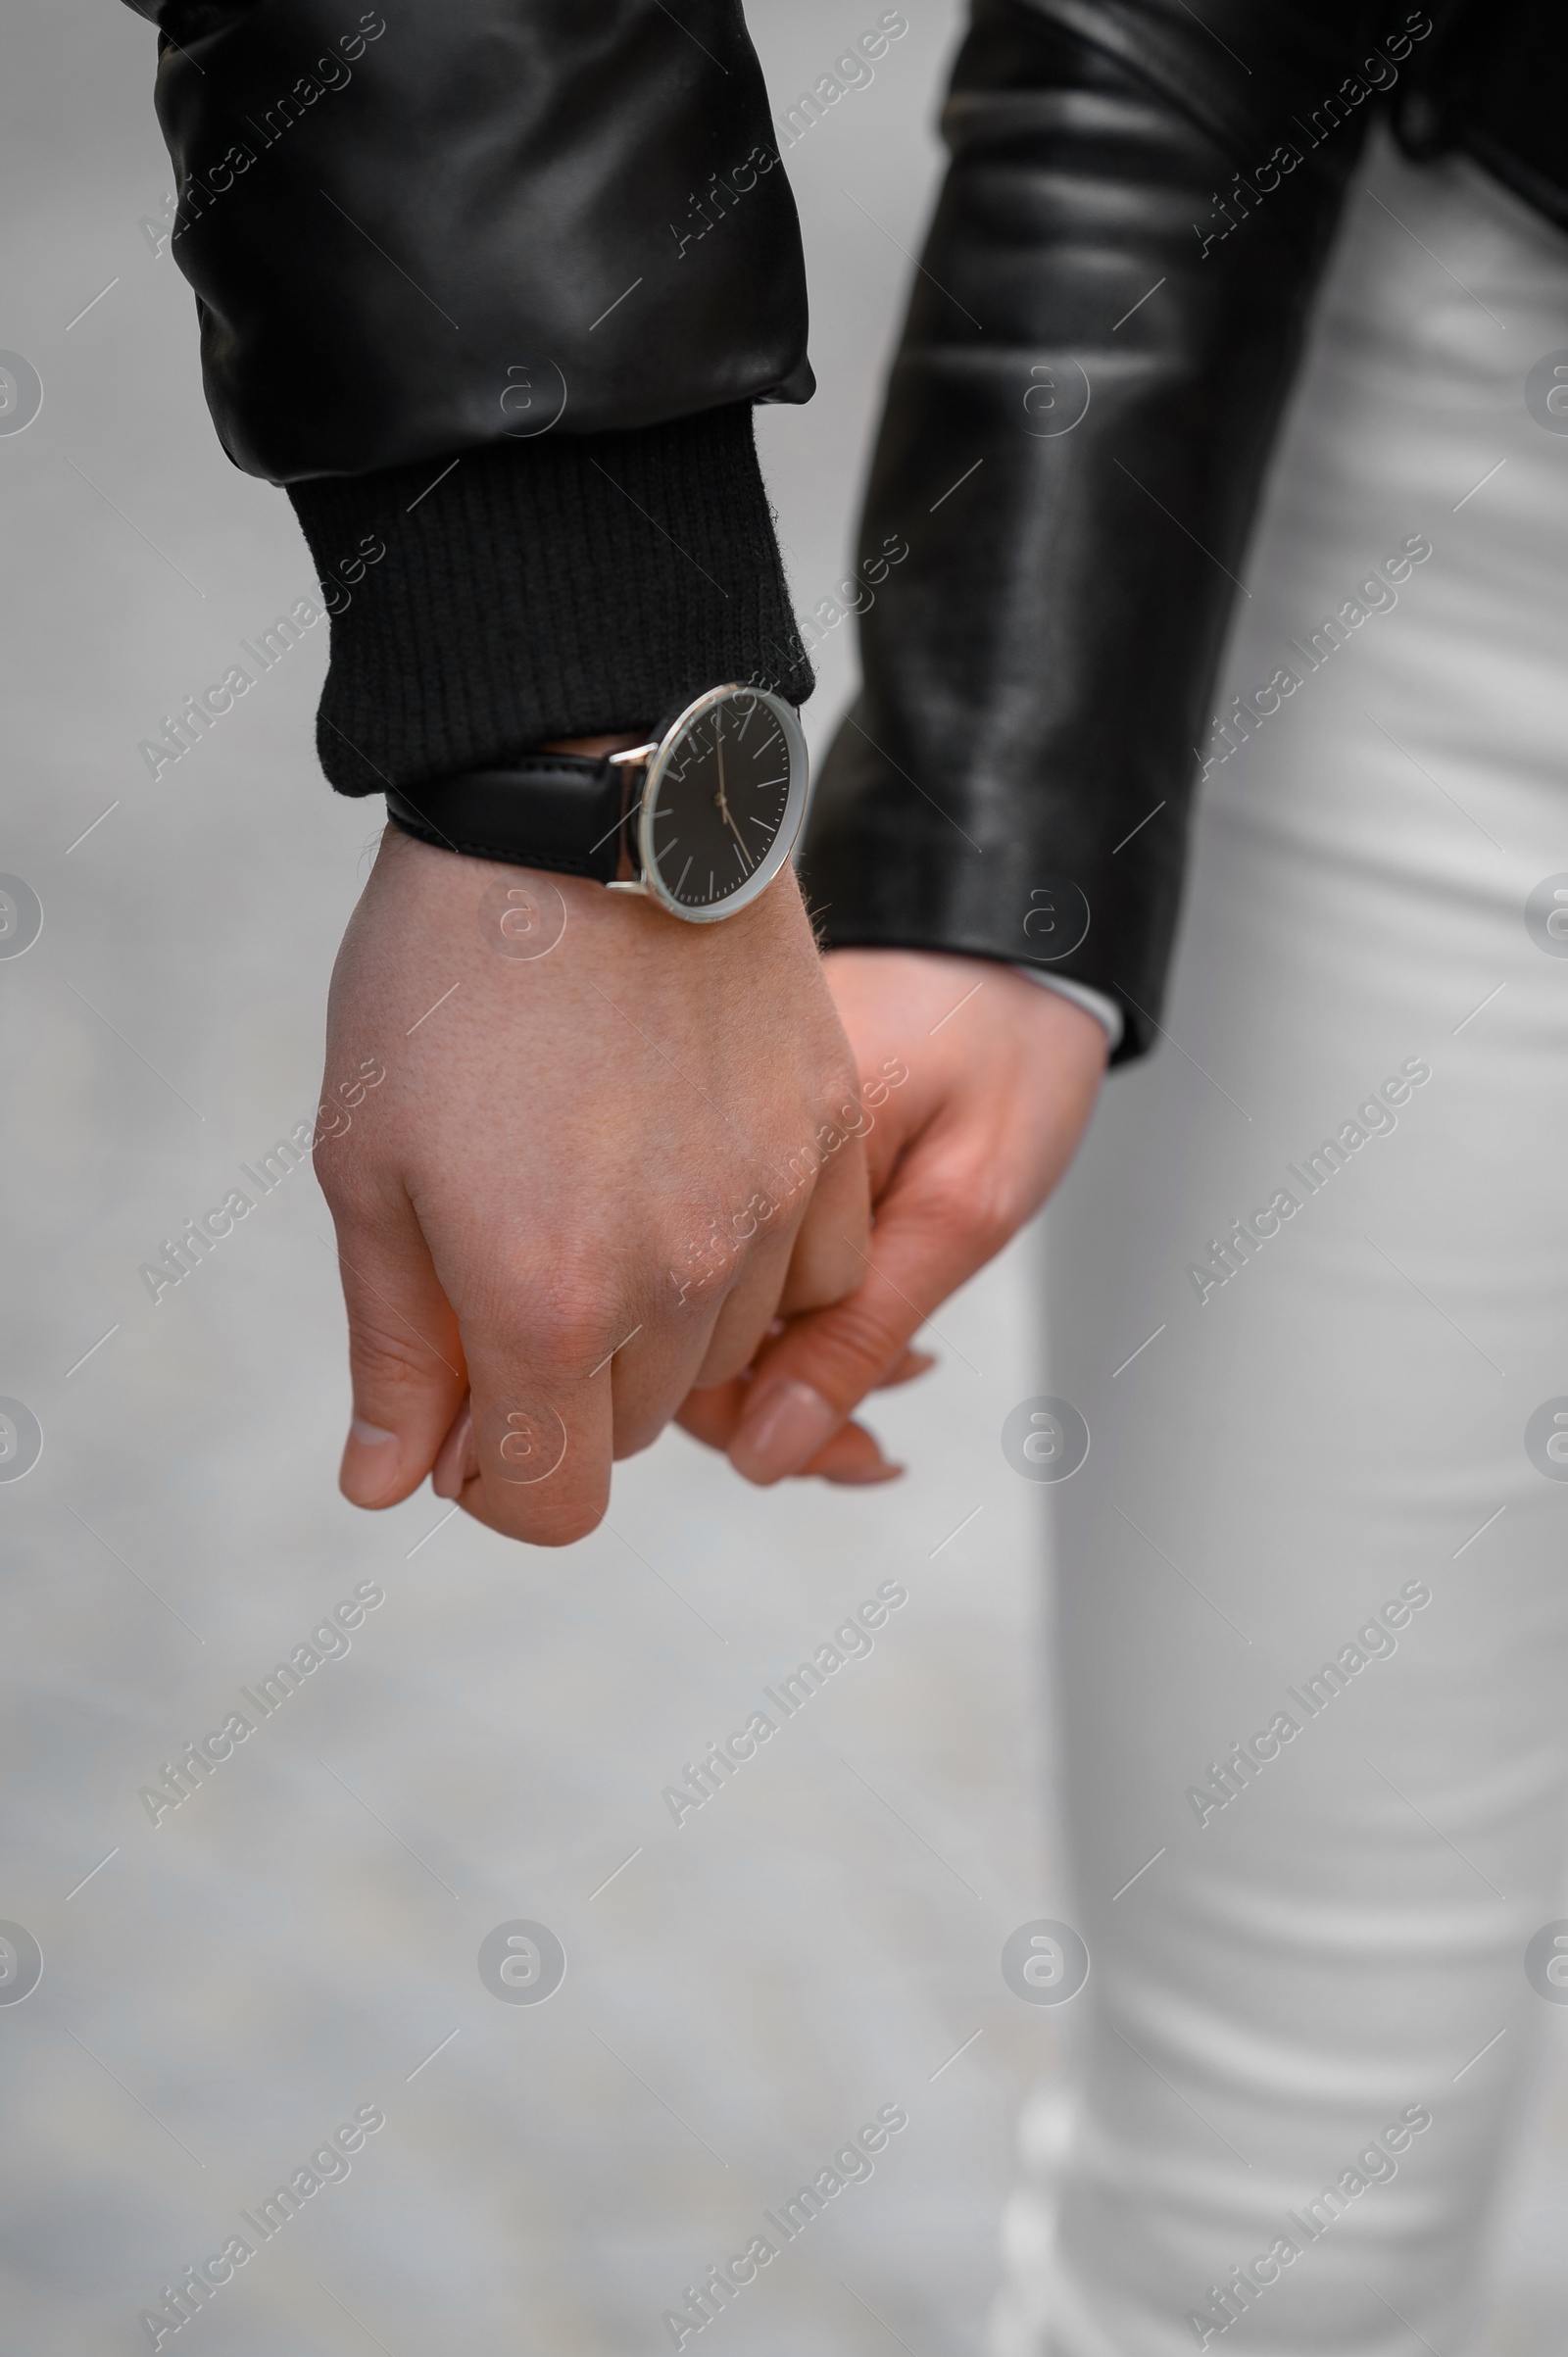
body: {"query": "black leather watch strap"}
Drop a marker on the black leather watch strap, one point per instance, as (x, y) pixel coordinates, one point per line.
(555, 810)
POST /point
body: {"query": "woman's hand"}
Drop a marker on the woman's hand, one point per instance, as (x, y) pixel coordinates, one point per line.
(977, 1086)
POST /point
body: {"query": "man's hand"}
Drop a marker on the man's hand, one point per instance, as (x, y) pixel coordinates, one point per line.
(607, 1147)
(980, 1085)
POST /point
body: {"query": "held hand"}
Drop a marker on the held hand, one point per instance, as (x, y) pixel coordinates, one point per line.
(604, 1141)
(985, 1086)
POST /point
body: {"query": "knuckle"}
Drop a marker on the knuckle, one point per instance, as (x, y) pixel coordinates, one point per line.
(354, 1197)
(993, 1212)
(560, 1319)
(842, 1084)
(973, 1202)
(838, 1108)
(855, 1341)
(573, 1335)
(387, 1360)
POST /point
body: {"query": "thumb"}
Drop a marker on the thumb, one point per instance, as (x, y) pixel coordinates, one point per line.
(405, 1358)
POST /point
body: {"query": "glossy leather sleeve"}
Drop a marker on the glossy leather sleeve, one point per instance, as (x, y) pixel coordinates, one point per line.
(416, 230)
(491, 285)
(1077, 424)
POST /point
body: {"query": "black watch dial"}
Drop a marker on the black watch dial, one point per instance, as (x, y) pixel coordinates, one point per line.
(723, 802)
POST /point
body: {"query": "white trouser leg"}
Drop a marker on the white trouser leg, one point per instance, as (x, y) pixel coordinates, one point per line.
(1317, 1437)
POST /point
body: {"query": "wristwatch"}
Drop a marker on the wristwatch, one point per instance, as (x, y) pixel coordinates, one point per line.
(701, 819)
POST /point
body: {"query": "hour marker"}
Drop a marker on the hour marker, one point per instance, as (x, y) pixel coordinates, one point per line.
(745, 862)
(767, 825)
(759, 782)
(684, 873)
(709, 883)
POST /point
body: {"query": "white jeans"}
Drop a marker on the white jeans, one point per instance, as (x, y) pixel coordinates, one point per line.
(1325, 1940)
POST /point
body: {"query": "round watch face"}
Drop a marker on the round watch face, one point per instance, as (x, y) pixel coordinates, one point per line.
(723, 802)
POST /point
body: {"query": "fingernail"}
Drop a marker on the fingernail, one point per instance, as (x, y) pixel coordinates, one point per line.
(371, 1464)
(458, 1461)
(866, 1476)
(784, 1425)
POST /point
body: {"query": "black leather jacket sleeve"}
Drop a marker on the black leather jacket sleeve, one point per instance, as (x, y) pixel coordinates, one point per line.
(550, 240)
(1111, 307)
(418, 230)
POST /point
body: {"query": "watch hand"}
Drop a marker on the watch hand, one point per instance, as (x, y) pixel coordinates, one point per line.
(736, 832)
(721, 799)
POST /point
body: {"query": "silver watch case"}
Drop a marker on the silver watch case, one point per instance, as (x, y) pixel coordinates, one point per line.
(655, 760)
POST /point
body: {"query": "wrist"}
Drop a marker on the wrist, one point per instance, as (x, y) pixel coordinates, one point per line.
(931, 994)
(699, 816)
(459, 895)
(1105, 1011)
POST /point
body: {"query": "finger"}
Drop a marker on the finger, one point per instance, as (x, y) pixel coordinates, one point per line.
(747, 1310)
(927, 1241)
(404, 1355)
(649, 1376)
(540, 1422)
(851, 1455)
(853, 1459)
(723, 1318)
(829, 1259)
(708, 1334)
(711, 1414)
(458, 1459)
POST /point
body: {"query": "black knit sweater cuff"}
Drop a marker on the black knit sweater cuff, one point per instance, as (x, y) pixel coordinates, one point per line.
(563, 586)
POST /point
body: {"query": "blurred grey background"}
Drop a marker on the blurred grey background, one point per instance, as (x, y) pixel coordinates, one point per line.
(303, 1932)
(300, 1937)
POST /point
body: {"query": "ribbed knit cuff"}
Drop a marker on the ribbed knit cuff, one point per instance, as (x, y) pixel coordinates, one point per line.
(562, 586)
